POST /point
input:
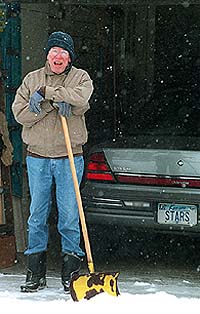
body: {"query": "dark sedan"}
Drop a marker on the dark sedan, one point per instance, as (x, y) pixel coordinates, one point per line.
(150, 177)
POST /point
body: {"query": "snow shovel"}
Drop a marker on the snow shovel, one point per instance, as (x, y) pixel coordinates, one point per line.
(86, 286)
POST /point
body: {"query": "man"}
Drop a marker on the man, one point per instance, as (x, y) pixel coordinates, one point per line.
(57, 89)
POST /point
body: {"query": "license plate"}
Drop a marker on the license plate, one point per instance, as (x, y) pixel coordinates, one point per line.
(177, 214)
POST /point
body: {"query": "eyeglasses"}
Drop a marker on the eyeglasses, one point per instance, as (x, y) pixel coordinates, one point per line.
(55, 52)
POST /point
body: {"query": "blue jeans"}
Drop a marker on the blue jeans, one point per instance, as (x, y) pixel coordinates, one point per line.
(41, 172)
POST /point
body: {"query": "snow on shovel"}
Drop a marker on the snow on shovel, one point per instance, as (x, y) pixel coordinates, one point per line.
(86, 286)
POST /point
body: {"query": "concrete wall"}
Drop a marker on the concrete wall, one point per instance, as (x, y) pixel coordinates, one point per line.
(34, 31)
(34, 27)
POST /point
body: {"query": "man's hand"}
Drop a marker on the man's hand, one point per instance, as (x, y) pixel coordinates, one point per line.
(64, 109)
(34, 103)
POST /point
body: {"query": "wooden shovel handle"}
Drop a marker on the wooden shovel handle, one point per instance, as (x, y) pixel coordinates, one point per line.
(78, 195)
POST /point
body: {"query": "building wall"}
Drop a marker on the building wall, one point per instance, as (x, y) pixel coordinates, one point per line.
(34, 34)
(34, 29)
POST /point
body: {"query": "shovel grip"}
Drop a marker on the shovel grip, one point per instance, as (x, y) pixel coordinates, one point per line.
(78, 195)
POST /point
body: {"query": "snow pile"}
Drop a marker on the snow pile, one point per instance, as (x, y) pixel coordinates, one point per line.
(157, 303)
(54, 300)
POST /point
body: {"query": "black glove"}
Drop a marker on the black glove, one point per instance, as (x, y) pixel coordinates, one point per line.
(64, 109)
(34, 103)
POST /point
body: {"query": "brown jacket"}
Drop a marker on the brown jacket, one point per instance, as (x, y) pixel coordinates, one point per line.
(43, 132)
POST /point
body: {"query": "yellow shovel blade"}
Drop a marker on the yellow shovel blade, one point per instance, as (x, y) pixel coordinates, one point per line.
(89, 285)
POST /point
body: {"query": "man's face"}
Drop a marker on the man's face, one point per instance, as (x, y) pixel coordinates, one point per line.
(58, 59)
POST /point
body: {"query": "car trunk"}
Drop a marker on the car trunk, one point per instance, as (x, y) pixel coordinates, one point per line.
(154, 162)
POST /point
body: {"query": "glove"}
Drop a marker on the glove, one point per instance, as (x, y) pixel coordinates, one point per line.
(34, 103)
(64, 109)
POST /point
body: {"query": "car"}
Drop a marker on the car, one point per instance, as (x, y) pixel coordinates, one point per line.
(149, 178)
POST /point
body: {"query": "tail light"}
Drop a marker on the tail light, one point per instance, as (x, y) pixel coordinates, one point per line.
(98, 168)
(159, 181)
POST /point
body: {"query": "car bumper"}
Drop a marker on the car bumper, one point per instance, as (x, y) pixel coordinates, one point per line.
(136, 206)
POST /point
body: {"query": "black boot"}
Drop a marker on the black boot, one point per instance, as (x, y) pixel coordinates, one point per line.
(71, 265)
(36, 273)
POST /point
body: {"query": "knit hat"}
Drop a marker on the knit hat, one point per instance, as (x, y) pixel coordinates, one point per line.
(62, 40)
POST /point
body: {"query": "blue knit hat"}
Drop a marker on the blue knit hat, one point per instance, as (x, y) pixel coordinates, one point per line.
(62, 40)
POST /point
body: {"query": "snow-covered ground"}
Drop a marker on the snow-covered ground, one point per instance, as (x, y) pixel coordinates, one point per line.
(137, 295)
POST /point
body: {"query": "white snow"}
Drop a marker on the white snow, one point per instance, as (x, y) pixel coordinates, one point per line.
(54, 300)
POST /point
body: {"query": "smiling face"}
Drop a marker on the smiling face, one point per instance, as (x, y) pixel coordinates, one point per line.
(58, 59)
